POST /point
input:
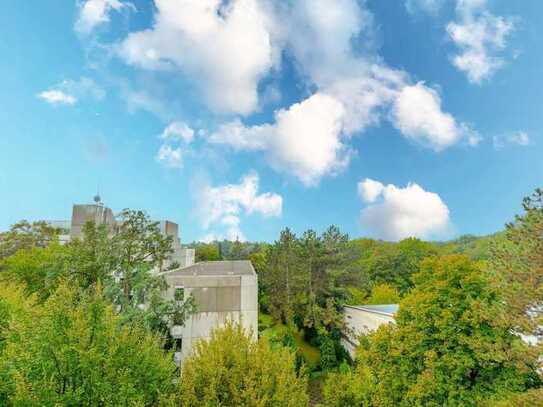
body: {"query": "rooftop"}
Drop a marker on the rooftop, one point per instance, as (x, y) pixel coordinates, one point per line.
(216, 268)
(386, 309)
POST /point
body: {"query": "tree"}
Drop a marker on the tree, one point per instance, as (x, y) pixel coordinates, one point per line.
(37, 269)
(518, 263)
(383, 294)
(73, 351)
(232, 370)
(450, 344)
(126, 262)
(348, 387)
(207, 252)
(24, 236)
(277, 276)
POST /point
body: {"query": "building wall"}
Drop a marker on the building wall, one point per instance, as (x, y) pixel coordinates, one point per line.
(360, 322)
(218, 299)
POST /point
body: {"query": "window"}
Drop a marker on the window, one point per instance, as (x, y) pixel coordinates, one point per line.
(179, 294)
(178, 344)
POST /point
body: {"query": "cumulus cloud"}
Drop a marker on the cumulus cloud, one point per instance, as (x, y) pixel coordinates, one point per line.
(417, 114)
(176, 136)
(224, 46)
(222, 206)
(304, 140)
(353, 88)
(369, 190)
(520, 138)
(93, 13)
(479, 36)
(57, 97)
(402, 212)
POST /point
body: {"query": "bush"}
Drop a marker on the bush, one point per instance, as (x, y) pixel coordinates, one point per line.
(233, 370)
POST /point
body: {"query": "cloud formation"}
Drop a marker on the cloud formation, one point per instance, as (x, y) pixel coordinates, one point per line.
(480, 37)
(176, 136)
(353, 90)
(225, 47)
(69, 91)
(93, 13)
(221, 207)
(305, 140)
(395, 213)
(417, 113)
(57, 97)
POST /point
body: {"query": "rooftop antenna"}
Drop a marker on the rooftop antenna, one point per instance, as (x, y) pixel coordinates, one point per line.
(97, 198)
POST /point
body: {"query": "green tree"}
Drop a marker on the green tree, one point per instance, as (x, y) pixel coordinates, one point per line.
(348, 387)
(518, 262)
(24, 236)
(383, 294)
(450, 344)
(233, 370)
(207, 252)
(277, 276)
(73, 351)
(37, 269)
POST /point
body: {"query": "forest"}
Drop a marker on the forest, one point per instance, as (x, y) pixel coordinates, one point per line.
(73, 333)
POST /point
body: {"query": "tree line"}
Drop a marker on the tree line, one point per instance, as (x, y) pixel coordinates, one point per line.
(73, 332)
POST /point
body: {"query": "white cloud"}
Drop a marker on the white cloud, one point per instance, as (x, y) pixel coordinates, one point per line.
(304, 140)
(93, 13)
(480, 36)
(69, 92)
(170, 157)
(369, 190)
(178, 131)
(57, 97)
(417, 114)
(403, 212)
(520, 138)
(223, 206)
(225, 46)
(175, 135)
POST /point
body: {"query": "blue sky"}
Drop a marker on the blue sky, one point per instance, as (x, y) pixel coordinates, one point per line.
(238, 118)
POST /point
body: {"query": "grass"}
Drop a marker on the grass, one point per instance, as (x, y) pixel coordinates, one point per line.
(270, 328)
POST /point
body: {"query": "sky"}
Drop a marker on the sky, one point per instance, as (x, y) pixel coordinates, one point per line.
(237, 118)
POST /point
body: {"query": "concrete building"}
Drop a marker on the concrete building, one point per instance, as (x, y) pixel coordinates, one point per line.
(102, 215)
(362, 319)
(223, 291)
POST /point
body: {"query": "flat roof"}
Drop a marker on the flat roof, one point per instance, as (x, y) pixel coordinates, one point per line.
(385, 309)
(215, 268)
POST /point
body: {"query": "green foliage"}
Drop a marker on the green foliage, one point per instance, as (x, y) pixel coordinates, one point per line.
(303, 279)
(348, 388)
(124, 262)
(25, 236)
(73, 351)
(356, 296)
(383, 294)
(518, 265)
(328, 353)
(232, 370)
(450, 344)
(531, 398)
(207, 252)
(38, 269)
